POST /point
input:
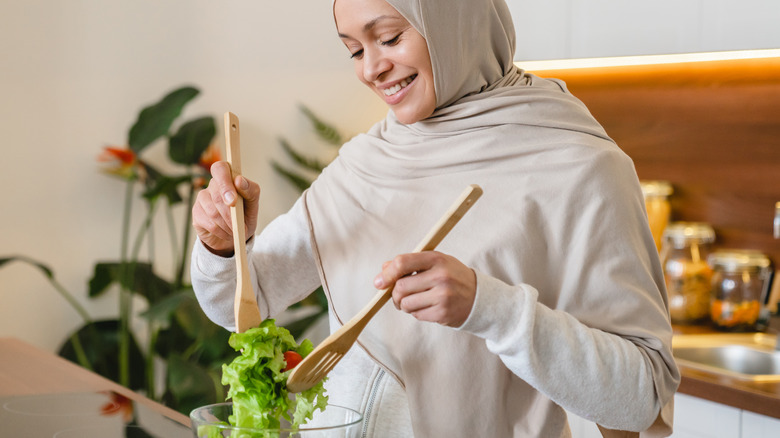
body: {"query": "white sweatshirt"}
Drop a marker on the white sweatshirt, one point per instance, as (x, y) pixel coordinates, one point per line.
(530, 338)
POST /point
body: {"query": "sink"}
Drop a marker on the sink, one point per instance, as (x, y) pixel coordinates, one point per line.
(747, 356)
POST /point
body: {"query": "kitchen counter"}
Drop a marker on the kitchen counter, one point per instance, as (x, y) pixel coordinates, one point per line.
(759, 397)
(26, 370)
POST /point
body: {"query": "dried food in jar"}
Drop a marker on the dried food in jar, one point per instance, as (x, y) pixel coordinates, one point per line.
(688, 284)
(734, 315)
(687, 274)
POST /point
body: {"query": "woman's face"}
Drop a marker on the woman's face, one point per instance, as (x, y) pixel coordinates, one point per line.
(390, 56)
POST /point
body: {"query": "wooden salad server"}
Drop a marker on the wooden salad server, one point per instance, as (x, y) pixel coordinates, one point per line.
(245, 307)
(322, 359)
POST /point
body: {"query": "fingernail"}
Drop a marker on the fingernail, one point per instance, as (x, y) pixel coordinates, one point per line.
(379, 282)
(229, 197)
(243, 183)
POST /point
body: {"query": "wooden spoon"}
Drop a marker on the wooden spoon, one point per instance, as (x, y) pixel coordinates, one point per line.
(247, 312)
(322, 359)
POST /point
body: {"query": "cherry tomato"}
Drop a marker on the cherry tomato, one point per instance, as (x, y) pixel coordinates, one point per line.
(292, 359)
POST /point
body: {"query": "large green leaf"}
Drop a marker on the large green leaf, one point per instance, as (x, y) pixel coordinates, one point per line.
(142, 280)
(45, 269)
(100, 343)
(300, 182)
(186, 327)
(161, 312)
(168, 187)
(158, 184)
(155, 120)
(189, 385)
(192, 138)
(307, 163)
(325, 130)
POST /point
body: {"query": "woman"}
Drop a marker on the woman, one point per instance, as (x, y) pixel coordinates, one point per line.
(547, 295)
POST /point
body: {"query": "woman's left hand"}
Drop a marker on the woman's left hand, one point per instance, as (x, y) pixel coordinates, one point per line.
(430, 286)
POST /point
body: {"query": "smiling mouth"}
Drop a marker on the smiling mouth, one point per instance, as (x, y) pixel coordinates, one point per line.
(399, 86)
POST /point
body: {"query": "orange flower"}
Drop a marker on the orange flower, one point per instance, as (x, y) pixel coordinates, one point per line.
(119, 405)
(121, 161)
(210, 156)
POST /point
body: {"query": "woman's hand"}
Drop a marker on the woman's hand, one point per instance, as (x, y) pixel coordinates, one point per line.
(430, 286)
(211, 212)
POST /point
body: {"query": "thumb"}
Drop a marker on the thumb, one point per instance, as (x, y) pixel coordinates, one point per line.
(250, 191)
(220, 173)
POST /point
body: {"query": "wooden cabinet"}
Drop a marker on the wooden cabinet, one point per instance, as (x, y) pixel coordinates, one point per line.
(558, 29)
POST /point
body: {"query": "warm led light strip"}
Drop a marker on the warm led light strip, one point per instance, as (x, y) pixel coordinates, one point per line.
(561, 64)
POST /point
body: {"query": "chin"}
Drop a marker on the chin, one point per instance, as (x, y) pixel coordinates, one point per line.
(408, 118)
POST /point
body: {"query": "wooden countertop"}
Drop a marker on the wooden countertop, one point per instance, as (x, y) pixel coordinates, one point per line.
(759, 397)
(28, 370)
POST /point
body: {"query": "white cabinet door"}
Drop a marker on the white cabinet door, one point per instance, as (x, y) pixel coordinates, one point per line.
(558, 29)
(759, 426)
(623, 28)
(698, 418)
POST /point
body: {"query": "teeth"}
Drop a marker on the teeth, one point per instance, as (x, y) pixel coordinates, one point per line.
(398, 87)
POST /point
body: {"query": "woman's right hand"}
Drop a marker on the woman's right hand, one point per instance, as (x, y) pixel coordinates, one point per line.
(211, 212)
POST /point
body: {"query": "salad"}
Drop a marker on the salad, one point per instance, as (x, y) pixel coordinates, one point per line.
(257, 380)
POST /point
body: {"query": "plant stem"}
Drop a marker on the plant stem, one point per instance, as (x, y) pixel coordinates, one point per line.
(64, 292)
(139, 239)
(125, 296)
(186, 241)
(172, 234)
(81, 355)
(150, 375)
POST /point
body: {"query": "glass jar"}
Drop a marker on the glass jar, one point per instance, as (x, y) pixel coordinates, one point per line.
(739, 283)
(656, 194)
(686, 246)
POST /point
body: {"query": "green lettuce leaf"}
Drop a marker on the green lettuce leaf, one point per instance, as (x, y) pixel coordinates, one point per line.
(257, 384)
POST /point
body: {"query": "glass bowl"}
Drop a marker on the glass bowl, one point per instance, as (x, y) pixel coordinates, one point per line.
(211, 421)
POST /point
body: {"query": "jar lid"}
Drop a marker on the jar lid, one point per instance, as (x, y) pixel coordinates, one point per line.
(680, 233)
(656, 188)
(737, 260)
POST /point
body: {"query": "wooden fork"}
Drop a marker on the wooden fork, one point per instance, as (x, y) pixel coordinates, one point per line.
(245, 306)
(322, 359)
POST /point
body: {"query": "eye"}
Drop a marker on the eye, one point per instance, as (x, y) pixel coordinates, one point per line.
(392, 41)
(357, 55)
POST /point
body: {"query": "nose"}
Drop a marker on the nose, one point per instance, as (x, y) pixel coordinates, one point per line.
(375, 64)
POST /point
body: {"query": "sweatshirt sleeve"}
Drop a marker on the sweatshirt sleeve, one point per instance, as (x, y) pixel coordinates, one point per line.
(281, 265)
(574, 365)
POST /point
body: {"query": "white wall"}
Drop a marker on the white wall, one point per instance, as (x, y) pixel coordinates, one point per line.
(73, 76)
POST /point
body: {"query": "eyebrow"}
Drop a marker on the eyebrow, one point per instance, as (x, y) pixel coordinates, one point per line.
(371, 24)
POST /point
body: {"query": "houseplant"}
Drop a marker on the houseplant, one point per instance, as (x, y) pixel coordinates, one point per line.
(177, 333)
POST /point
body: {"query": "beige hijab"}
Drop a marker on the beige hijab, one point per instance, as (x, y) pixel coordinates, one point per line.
(562, 212)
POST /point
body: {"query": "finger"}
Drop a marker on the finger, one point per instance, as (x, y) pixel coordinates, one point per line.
(250, 191)
(417, 284)
(221, 177)
(415, 301)
(403, 265)
(209, 223)
(218, 205)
